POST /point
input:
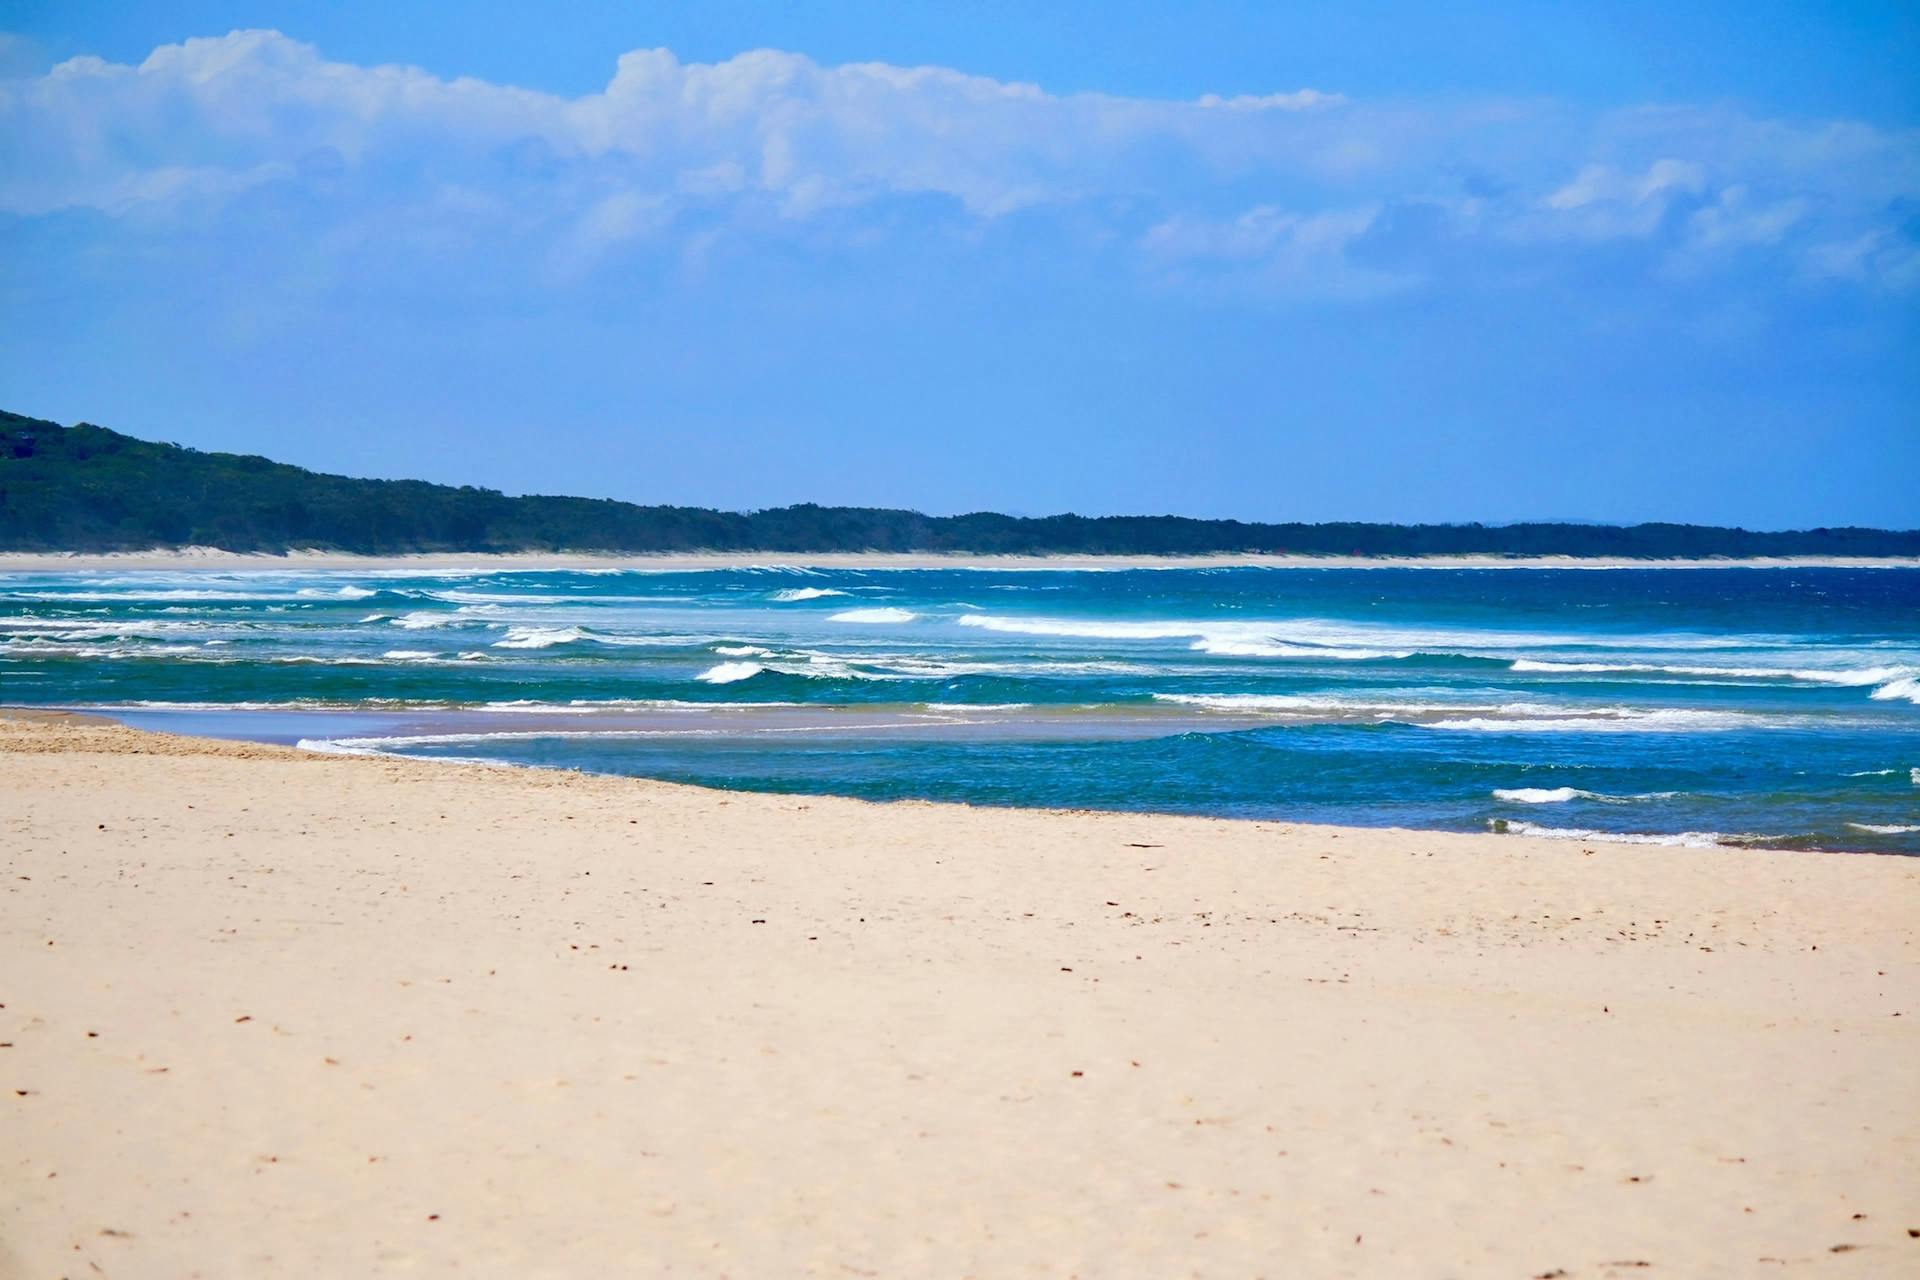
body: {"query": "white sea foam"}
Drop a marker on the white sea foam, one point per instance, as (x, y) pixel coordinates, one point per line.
(1328, 638)
(1907, 688)
(331, 747)
(1560, 795)
(882, 614)
(730, 672)
(1884, 829)
(1678, 839)
(421, 621)
(338, 593)
(403, 655)
(742, 651)
(1383, 707)
(793, 595)
(1088, 628)
(1540, 795)
(1273, 649)
(1895, 682)
(142, 597)
(539, 637)
(1613, 720)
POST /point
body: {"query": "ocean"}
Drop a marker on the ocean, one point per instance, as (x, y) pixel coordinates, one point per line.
(1685, 707)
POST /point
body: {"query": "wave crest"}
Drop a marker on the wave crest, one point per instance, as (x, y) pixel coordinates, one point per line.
(885, 613)
(730, 672)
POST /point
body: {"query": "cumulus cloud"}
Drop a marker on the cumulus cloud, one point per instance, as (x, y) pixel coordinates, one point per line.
(1301, 190)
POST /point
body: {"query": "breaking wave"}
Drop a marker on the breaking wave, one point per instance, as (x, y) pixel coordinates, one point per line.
(1560, 795)
(793, 595)
(882, 614)
(730, 672)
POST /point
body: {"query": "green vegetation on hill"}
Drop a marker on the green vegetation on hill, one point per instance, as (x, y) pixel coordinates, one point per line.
(85, 488)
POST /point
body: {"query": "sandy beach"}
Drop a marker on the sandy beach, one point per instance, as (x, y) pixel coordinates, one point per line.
(271, 1013)
(215, 560)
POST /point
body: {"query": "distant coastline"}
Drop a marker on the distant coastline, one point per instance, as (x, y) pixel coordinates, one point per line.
(214, 560)
(88, 490)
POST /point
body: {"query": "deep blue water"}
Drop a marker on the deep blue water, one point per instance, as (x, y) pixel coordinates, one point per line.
(1692, 706)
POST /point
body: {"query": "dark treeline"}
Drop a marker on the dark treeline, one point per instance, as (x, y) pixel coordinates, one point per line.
(85, 488)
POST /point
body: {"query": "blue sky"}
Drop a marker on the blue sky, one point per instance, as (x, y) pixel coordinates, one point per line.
(1312, 261)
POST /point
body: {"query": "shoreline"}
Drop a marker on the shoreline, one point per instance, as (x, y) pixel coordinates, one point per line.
(266, 1010)
(214, 560)
(1677, 842)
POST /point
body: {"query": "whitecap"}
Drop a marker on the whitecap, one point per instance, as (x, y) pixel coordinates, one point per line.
(1272, 649)
(1613, 720)
(1560, 795)
(348, 592)
(1540, 795)
(883, 614)
(793, 595)
(730, 672)
(1897, 682)
(1318, 634)
(539, 637)
(1908, 687)
(1884, 829)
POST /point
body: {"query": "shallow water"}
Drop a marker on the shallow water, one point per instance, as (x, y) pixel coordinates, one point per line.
(1688, 706)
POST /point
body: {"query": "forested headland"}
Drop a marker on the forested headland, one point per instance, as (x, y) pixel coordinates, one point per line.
(88, 489)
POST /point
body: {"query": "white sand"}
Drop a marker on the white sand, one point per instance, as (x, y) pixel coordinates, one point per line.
(275, 1014)
(215, 560)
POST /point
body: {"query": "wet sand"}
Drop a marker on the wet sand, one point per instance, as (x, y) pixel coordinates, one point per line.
(272, 1013)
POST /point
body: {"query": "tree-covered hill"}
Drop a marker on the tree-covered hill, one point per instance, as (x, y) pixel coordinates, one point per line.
(85, 488)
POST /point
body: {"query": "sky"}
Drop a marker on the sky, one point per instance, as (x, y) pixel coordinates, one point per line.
(1314, 261)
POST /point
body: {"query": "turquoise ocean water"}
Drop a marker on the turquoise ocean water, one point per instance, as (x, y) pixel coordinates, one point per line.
(1683, 706)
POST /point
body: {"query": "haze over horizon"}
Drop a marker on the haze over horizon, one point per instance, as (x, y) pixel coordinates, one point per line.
(1326, 263)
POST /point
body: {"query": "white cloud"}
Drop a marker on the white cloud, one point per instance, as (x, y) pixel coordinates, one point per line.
(1294, 181)
(1599, 184)
(1298, 100)
(1735, 220)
